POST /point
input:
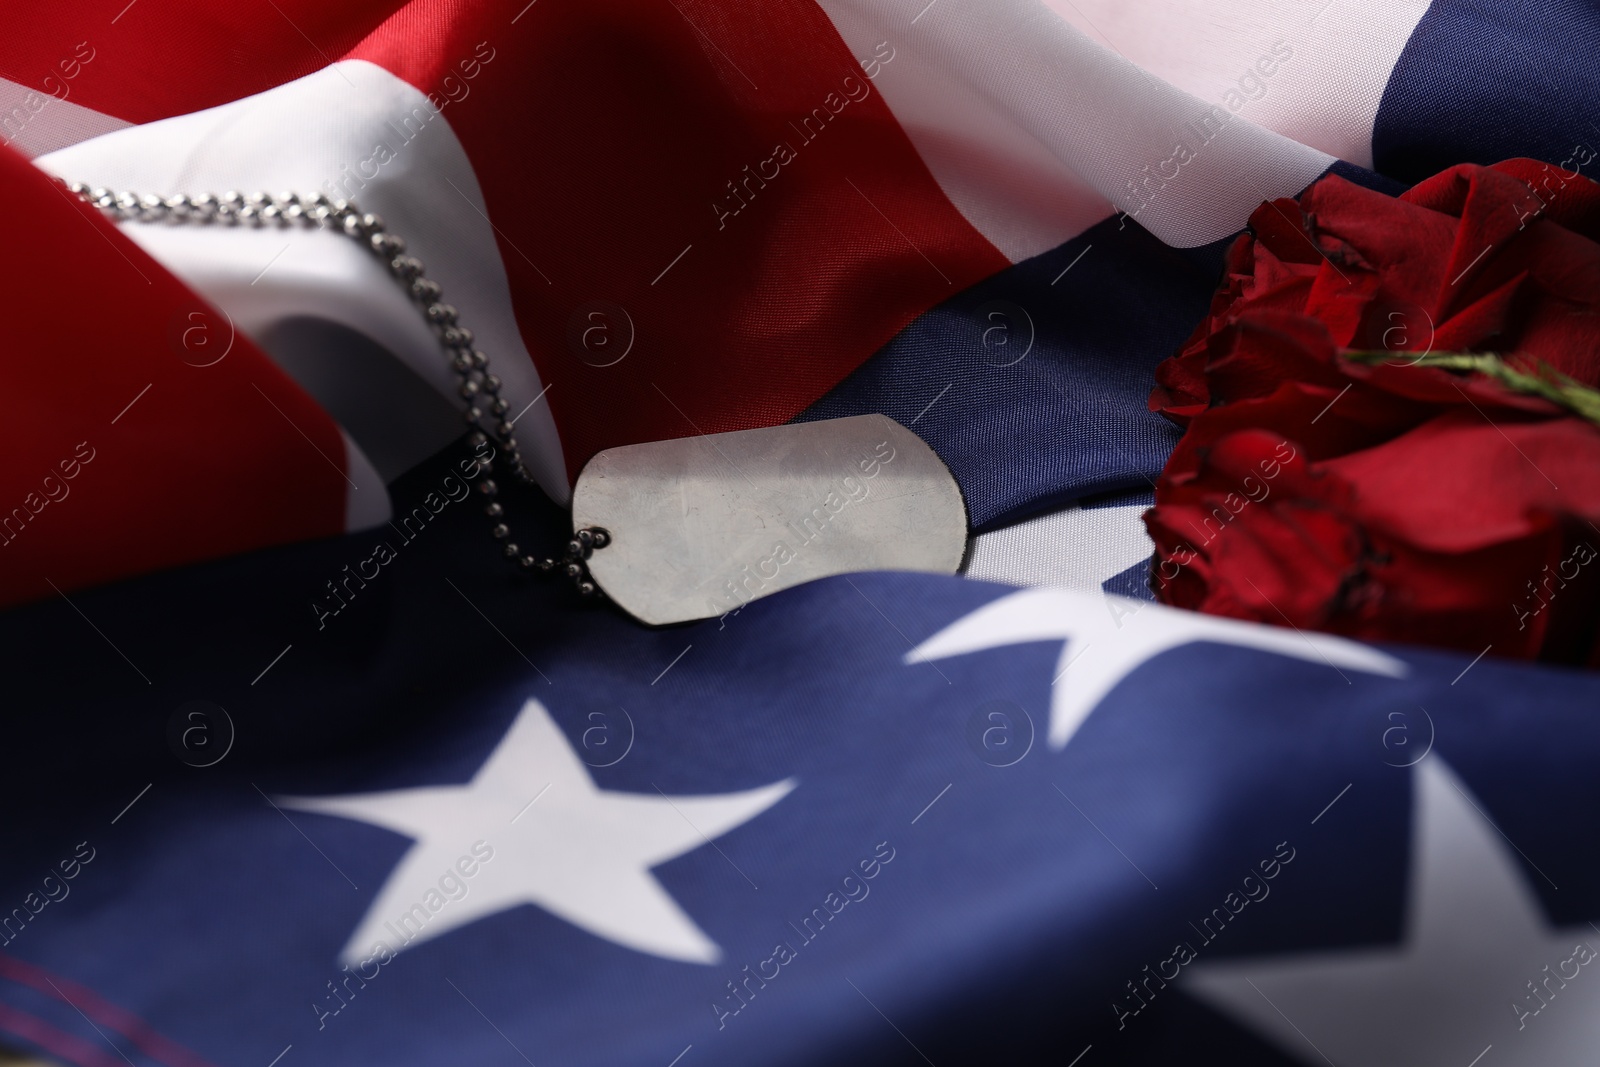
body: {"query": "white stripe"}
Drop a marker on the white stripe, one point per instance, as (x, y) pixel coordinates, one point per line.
(366, 502)
(33, 122)
(1325, 95)
(1034, 131)
(299, 136)
(1076, 548)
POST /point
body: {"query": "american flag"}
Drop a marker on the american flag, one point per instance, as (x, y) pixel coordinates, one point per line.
(280, 796)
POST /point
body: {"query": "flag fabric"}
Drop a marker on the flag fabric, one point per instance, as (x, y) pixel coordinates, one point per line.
(292, 799)
(680, 219)
(870, 820)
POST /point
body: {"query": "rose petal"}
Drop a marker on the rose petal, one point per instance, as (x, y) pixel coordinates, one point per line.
(1460, 482)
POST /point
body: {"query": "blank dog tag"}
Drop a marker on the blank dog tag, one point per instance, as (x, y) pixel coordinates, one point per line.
(700, 526)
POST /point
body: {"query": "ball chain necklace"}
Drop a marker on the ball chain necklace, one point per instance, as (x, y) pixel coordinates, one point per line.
(478, 386)
(694, 528)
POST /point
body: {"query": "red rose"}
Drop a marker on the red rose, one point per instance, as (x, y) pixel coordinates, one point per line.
(1383, 500)
(1477, 259)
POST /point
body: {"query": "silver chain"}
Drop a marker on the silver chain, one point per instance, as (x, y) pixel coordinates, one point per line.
(477, 385)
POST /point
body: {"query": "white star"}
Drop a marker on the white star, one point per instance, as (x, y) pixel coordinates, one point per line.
(1455, 987)
(557, 841)
(1124, 634)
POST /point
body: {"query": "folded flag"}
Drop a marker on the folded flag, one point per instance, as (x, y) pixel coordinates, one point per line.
(311, 779)
(875, 819)
(683, 218)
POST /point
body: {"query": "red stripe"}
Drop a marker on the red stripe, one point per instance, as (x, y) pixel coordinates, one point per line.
(170, 57)
(603, 133)
(63, 1046)
(206, 462)
(102, 1011)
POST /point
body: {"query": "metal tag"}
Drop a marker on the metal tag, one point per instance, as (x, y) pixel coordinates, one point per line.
(701, 526)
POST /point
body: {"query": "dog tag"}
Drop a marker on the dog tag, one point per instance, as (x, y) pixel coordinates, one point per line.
(701, 526)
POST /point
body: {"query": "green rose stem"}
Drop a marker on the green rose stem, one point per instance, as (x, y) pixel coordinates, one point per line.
(1542, 381)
